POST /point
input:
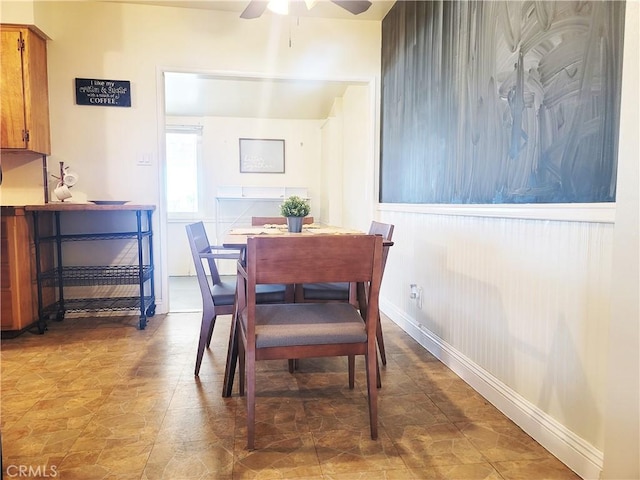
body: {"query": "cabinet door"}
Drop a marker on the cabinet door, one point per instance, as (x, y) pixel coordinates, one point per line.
(36, 92)
(17, 293)
(24, 91)
(11, 88)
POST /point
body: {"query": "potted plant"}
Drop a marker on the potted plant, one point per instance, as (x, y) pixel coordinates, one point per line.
(295, 209)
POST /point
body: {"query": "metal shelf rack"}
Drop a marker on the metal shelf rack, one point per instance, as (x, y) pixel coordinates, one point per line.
(138, 276)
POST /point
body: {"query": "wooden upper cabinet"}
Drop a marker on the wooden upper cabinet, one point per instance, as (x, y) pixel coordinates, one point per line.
(24, 90)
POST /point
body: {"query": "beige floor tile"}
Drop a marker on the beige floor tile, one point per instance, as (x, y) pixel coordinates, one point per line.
(109, 430)
(190, 460)
(469, 471)
(547, 469)
(332, 385)
(274, 416)
(122, 462)
(326, 414)
(395, 474)
(428, 446)
(22, 441)
(408, 409)
(284, 455)
(350, 451)
(465, 407)
(197, 425)
(502, 441)
(195, 392)
(14, 406)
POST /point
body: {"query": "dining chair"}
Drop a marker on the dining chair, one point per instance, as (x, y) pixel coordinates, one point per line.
(304, 330)
(218, 295)
(340, 292)
(260, 221)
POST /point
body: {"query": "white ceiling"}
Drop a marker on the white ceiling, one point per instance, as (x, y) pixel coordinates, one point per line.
(193, 94)
(189, 94)
(322, 9)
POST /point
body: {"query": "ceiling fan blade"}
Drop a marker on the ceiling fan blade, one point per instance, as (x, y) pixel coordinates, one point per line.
(354, 6)
(254, 9)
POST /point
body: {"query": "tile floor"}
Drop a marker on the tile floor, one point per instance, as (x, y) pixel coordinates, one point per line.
(96, 398)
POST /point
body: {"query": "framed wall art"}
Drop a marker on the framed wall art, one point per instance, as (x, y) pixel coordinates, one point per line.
(531, 116)
(259, 155)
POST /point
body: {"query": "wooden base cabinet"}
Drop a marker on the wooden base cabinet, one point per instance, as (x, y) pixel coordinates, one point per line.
(19, 292)
(18, 307)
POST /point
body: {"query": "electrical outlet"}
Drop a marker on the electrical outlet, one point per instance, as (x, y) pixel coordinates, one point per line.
(413, 291)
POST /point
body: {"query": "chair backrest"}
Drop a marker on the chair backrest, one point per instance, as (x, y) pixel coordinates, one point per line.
(317, 258)
(201, 250)
(379, 228)
(386, 230)
(259, 221)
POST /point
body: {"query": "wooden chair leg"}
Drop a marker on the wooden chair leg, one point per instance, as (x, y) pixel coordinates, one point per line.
(371, 361)
(206, 325)
(210, 334)
(380, 339)
(289, 294)
(251, 400)
(294, 364)
(352, 370)
(241, 366)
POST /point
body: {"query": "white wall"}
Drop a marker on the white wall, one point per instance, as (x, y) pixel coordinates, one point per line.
(622, 412)
(347, 175)
(357, 172)
(22, 180)
(332, 160)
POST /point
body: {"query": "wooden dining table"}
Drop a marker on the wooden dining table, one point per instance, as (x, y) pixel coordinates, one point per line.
(236, 238)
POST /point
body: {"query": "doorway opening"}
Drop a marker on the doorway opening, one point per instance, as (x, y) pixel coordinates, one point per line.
(317, 119)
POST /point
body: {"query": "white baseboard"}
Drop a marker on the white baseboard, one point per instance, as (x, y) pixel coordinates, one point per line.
(579, 455)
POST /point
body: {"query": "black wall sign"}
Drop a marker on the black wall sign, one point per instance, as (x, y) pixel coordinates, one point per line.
(105, 93)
